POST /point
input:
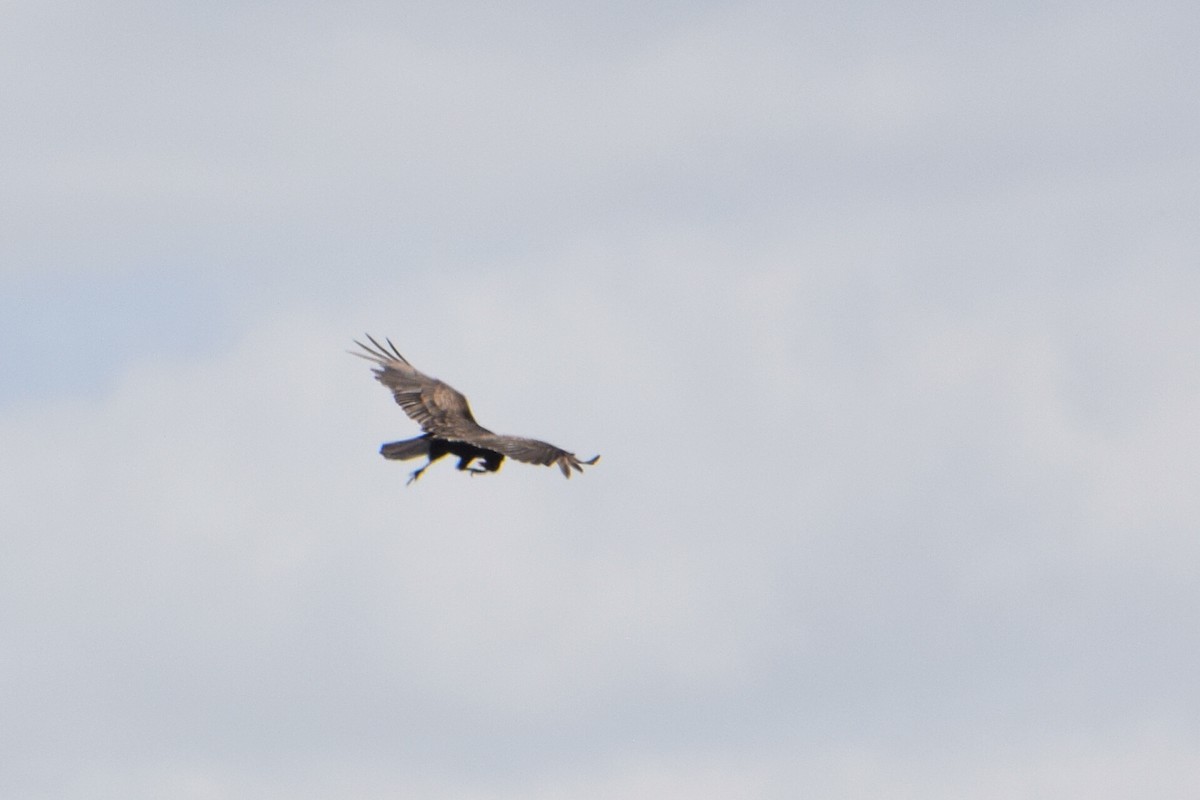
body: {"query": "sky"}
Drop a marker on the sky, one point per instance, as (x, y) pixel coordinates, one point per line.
(882, 316)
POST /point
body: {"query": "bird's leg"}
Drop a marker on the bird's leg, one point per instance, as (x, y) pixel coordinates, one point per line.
(466, 464)
(417, 473)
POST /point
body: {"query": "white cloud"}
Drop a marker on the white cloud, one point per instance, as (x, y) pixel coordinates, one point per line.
(887, 342)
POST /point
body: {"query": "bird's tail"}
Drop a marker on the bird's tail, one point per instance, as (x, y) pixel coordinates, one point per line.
(409, 448)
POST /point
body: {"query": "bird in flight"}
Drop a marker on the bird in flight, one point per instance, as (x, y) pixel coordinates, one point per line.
(450, 429)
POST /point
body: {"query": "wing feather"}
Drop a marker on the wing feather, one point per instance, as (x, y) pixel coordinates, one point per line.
(436, 406)
(533, 451)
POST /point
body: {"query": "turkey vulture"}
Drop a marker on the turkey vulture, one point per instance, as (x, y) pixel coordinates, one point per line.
(444, 415)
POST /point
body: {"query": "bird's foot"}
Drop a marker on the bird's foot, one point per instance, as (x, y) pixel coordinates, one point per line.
(416, 474)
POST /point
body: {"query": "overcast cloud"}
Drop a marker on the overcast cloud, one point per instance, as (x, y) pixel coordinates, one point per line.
(884, 320)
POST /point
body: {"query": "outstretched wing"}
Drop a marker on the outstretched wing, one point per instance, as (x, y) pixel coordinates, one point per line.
(436, 406)
(531, 451)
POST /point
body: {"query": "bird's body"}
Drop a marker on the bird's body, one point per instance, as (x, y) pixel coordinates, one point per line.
(434, 448)
(450, 428)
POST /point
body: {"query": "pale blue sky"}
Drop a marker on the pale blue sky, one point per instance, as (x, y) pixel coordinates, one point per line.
(884, 320)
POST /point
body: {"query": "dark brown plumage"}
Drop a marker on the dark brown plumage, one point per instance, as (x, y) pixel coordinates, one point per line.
(450, 428)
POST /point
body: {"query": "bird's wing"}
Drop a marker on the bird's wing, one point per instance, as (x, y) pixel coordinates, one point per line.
(436, 406)
(532, 451)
